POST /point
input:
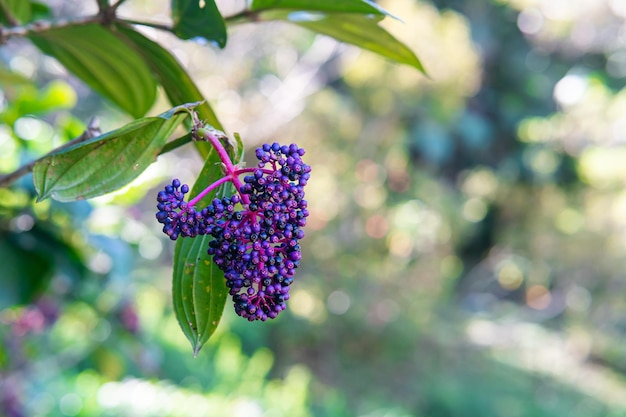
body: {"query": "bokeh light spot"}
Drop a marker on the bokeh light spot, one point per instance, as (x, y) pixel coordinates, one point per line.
(578, 299)
(101, 263)
(338, 302)
(510, 276)
(70, 404)
(570, 89)
(569, 221)
(307, 306)
(474, 210)
(377, 226)
(530, 21)
(400, 244)
(538, 297)
(150, 247)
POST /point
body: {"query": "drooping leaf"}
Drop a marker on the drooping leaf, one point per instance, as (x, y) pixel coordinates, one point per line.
(39, 11)
(198, 287)
(336, 6)
(192, 21)
(103, 62)
(107, 162)
(20, 10)
(177, 84)
(359, 30)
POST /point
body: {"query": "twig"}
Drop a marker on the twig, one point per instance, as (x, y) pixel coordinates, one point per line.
(45, 25)
(93, 130)
(148, 24)
(118, 4)
(176, 143)
(243, 16)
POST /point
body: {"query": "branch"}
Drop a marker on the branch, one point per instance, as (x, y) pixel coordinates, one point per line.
(118, 4)
(243, 16)
(148, 24)
(93, 130)
(106, 16)
(44, 25)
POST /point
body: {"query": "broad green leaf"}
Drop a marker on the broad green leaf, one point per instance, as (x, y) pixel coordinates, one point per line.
(359, 30)
(107, 162)
(199, 289)
(104, 62)
(336, 6)
(20, 10)
(192, 21)
(177, 84)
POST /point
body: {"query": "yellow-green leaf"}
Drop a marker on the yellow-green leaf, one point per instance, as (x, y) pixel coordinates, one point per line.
(336, 6)
(356, 29)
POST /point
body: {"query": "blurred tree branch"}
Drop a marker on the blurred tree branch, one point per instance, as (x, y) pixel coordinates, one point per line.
(92, 130)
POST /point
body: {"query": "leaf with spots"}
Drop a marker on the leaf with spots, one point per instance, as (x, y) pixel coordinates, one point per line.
(107, 162)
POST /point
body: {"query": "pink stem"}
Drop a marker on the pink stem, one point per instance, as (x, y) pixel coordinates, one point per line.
(231, 172)
(208, 190)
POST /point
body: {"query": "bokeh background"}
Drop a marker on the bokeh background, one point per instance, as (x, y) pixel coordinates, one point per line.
(465, 253)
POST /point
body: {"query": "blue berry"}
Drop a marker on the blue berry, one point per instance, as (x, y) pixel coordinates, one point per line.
(257, 247)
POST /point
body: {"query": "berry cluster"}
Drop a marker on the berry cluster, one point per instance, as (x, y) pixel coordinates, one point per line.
(256, 232)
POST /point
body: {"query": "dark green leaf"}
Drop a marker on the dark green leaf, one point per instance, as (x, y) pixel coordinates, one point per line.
(336, 6)
(360, 30)
(40, 11)
(30, 260)
(104, 62)
(199, 290)
(20, 10)
(107, 162)
(192, 21)
(177, 84)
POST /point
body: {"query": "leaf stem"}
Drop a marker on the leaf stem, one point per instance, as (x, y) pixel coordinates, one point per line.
(93, 130)
(176, 143)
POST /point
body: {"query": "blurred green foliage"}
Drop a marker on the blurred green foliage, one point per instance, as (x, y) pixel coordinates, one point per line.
(465, 247)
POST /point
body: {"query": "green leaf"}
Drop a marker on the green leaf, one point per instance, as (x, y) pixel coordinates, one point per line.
(192, 21)
(199, 289)
(104, 62)
(107, 162)
(40, 11)
(177, 84)
(359, 30)
(336, 6)
(20, 10)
